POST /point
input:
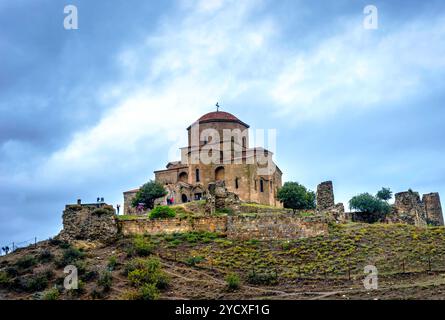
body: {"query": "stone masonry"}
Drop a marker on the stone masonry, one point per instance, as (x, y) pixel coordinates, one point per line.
(89, 222)
(325, 195)
(409, 208)
(433, 208)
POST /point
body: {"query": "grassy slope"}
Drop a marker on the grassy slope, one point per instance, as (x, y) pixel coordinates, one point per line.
(197, 265)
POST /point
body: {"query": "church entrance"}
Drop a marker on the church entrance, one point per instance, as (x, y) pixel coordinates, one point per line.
(184, 198)
(219, 173)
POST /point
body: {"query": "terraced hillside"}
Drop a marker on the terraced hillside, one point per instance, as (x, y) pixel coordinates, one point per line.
(410, 262)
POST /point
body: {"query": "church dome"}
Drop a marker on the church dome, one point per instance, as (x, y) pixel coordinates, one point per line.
(220, 116)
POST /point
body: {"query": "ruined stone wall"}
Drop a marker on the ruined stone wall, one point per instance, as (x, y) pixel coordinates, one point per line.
(275, 226)
(433, 208)
(128, 198)
(89, 222)
(408, 208)
(261, 227)
(325, 195)
(155, 226)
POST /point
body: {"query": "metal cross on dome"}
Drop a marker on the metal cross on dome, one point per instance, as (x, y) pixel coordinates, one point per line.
(217, 107)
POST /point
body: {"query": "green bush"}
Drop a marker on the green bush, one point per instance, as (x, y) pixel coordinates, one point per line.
(296, 197)
(5, 280)
(148, 291)
(233, 281)
(143, 271)
(148, 193)
(142, 246)
(371, 208)
(69, 256)
(26, 262)
(112, 263)
(162, 212)
(105, 280)
(265, 278)
(45, 256)
(192, 261)
(51, 294)
(33, 283)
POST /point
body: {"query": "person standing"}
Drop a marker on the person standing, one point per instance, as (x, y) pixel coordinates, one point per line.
(118, 208)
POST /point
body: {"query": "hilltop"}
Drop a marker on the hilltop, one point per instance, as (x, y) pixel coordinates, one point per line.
(207, 265)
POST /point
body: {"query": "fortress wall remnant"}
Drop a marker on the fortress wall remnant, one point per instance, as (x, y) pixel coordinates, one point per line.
(261, 227)
(325, 195)
(433, 208)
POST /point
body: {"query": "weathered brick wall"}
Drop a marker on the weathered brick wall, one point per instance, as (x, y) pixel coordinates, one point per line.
(261, 227)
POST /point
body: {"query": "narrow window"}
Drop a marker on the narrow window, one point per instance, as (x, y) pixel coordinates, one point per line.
(236, 183)
(244, 142)
(254, 184)
(261, 185)
(270, 186)
(197, 175)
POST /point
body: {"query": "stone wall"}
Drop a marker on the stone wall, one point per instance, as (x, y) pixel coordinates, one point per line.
(409, 208)
(261, 227)
(325, 195)
(275, 227)
(433, 208)
(89, 222)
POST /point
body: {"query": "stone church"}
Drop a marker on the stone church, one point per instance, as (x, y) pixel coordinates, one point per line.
(218, 150)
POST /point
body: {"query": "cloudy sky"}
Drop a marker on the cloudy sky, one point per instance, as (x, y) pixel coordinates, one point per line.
(92, 112)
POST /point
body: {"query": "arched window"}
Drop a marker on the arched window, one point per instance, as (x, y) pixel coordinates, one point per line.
(197, 175)
(261, 185)
(219, 173)
(236, 183)
(183, 177)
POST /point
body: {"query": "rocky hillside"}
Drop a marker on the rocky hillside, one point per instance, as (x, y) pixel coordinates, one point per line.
(410, 262)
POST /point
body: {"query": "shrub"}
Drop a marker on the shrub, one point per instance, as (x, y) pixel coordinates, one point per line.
(90, 275)
(233, 281)
(192, 261)
(45, 256)
(296, 197)
(26, 262)
(372, 209)
(266, 278)
(148, 193)
(112, 263)
(162, 212)
(142, 246)
(147, 292)
(69, 256)
(105, 280)
(33, 283)
(5, 280)
(143, 271)
(51, 294)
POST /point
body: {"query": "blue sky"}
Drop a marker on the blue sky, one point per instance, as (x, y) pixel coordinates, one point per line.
(92, 112)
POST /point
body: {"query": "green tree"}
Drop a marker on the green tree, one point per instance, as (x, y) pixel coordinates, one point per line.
(148, 193)
(372, 209)
(296, 197)
(384, 194)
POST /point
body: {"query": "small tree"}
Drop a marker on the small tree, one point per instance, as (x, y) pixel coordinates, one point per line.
(148, 193)
(385, 194)
(373, 208)
(296, 197)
